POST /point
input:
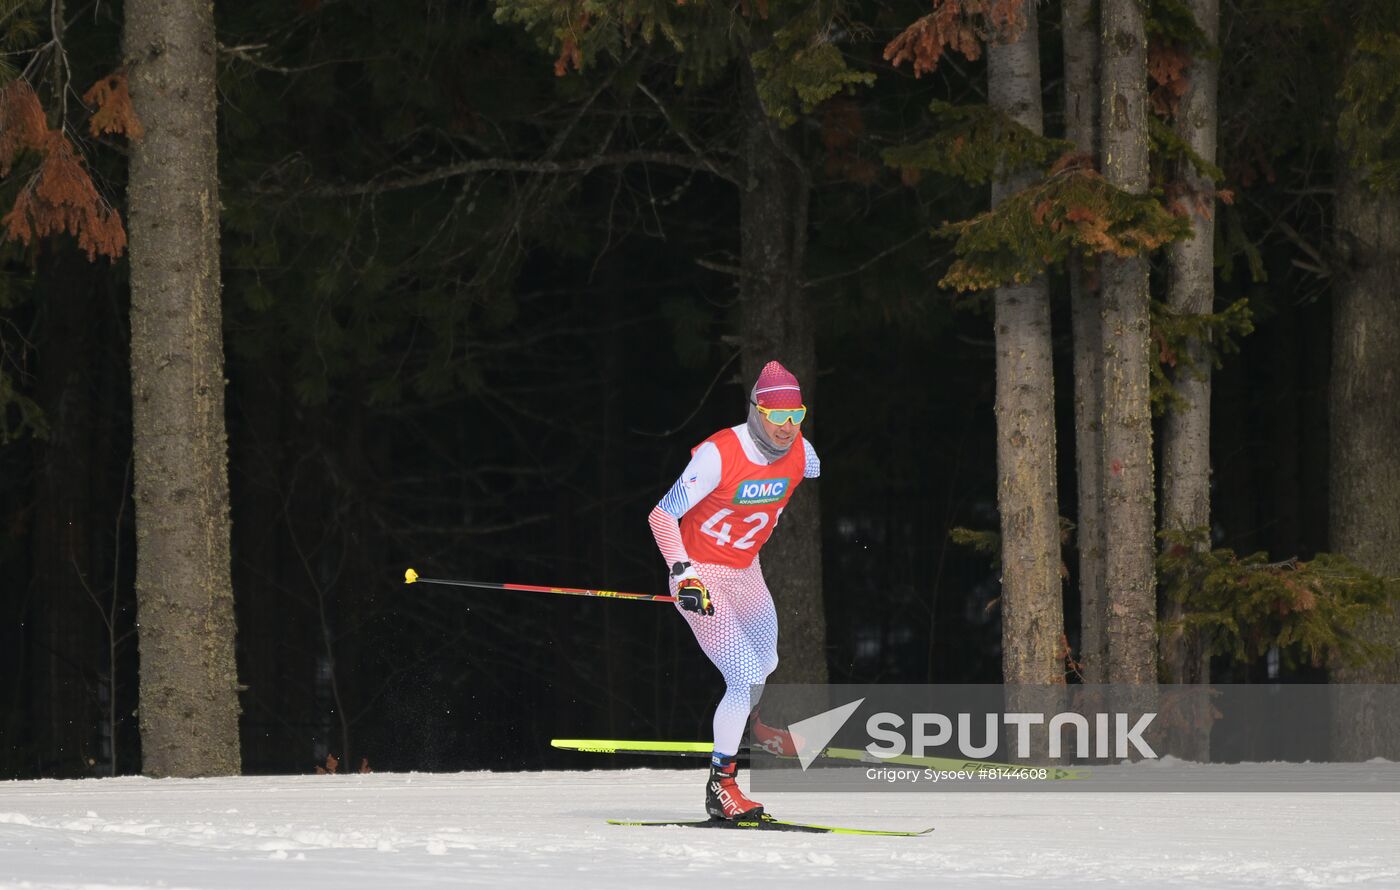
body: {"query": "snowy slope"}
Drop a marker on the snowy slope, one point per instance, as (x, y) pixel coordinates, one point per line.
(538, 829)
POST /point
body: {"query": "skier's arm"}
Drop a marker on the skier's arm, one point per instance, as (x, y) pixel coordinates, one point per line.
(813, 467)
(700, 477)
(667, 531)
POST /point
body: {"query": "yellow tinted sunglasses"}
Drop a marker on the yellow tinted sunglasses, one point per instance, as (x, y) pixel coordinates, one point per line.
(780, 416)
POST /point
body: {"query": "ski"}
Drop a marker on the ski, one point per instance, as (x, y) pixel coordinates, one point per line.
(702, 749)
(765, 822)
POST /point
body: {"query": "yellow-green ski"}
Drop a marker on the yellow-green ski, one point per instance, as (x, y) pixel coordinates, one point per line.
(765, 822)
(702, 749)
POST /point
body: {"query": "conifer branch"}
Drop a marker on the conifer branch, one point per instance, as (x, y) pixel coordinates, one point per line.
(736, 271)
(919, 235)
(246, 52)
(562, 137)
(1319, 266)
(959, 26)
(1246, 605)
(704, 399)
(494, 165)
(973, 143)
(60, 59)
(1218, 333)
(684, 137)
(1072, 208)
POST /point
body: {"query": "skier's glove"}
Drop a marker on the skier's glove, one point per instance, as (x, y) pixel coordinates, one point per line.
(691, 593)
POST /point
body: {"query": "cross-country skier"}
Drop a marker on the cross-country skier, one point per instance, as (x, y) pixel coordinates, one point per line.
(710, 527)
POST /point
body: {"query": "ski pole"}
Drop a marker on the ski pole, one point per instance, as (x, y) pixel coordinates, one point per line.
(411, 577)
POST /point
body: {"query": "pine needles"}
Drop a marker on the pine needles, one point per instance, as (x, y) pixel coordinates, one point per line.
(1244, 606)
(1073, 207)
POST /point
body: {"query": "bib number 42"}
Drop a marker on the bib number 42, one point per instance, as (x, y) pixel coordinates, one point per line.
(722, 531)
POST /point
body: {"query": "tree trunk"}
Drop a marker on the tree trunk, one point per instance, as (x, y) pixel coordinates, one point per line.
(1365, 424)
(1129, 578)
(1081, 48)
(777, 325)
(189, 701)
(1032, 608)
(1191, 291)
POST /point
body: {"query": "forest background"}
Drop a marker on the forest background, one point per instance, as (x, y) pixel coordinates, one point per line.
(487, 272)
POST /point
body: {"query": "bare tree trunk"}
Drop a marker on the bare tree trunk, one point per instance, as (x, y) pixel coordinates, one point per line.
(1129, 577)
(777, 325)
(1081, 48)
(1191, 291)
(189, 701)
(1365, 424)
(1032, 607)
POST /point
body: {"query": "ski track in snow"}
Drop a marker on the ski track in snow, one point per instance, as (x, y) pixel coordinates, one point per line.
(547, 829)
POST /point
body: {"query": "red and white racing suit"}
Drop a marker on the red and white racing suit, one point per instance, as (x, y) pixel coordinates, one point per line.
(718, 516)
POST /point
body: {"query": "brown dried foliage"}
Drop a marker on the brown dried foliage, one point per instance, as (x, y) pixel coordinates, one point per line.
(1184, 199)
(1073, 667)
(745, 9)
(1301, 599)
(1250, 163)
(114, 112)
(1166, 353)
(333, 764)
(59, 196)
(1166, 65)
(841, 128)
(22, 123)
(959, 26)
(570, 53)
(1092, 226)
(1071, 161)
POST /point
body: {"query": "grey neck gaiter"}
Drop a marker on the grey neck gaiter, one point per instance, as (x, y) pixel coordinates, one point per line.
(770, 451)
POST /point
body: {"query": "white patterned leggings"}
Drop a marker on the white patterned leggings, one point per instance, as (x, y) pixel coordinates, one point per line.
(741, 638)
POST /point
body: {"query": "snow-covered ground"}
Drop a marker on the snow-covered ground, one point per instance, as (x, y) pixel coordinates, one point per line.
(536, 829)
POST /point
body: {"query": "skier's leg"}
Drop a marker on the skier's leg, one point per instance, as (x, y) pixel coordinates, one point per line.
(723, 638)
(743, 614)
(757, 616)
(760, 622)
